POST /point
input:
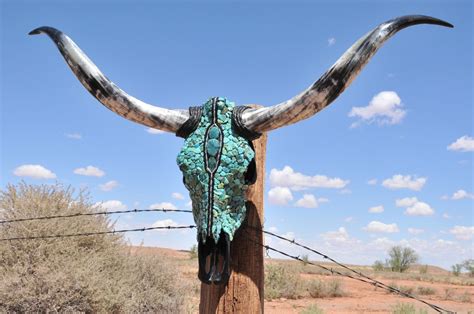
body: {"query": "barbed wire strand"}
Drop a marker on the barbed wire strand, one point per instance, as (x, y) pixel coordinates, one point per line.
(68, 235)
(165, 210)
(369, 280)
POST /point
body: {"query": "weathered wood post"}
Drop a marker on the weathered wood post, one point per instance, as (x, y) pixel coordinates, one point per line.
(244, 291)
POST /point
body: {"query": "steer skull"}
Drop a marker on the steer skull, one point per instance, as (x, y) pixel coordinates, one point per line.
(217, 159)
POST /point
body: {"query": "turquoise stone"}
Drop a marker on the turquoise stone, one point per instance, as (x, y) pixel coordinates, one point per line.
(229, 184)
(214, 132)
(213, 146)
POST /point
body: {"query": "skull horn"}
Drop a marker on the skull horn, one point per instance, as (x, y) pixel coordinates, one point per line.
(325, 90)
(109, 94)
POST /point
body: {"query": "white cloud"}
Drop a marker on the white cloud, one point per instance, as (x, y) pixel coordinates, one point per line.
(34, 171)
(399, 181)
(414, 207)
(376, 209)
(340, 235)
(384, 108)
(380, 227)
(372, 182)
(331, 41)
(74, 136)
(163, 205)
(348, 219)
(154, 131)
(273, 229)
(164, 223)
(111, 205)
(189, 204)
(463, 144)
(460, 194)
(90, 171)
(462, 232)
(406, 202)
(298, 181)
(108, 186)
(310, 201)
(415, 231)
(280, 196)
(289, 235)
(177, 196)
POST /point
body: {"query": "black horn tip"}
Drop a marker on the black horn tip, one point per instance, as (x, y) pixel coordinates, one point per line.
(410, 20)
(51, 31)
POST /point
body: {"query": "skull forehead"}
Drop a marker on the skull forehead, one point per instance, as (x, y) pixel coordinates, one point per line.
(224, 193)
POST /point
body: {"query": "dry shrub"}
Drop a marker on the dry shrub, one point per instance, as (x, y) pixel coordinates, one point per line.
(425, 290)
(282, 282)
(319, 289)
(76, 274)
(407, 308)
(312, 309)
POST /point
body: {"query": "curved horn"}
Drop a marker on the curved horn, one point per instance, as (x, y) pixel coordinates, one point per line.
(109, 94)
(325, 90)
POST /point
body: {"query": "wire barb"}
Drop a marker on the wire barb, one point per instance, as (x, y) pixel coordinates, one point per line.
(164, 210)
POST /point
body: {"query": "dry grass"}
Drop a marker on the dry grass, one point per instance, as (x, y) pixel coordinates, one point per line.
(77, 274)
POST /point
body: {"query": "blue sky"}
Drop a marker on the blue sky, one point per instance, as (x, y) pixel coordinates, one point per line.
(389, 162)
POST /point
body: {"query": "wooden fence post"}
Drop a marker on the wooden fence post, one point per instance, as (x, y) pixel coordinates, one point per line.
(244, 291)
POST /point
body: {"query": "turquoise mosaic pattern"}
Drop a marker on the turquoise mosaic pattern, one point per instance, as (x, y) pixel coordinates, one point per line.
(214, 160)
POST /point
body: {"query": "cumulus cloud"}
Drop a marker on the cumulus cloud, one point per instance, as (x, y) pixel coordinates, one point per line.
(74, 136)
(154, 131)
(163, 205)
(415, 231)
(34, 171)
(463, 144)
(108, 186)
(177, 196)
(384, 108)
(462, 232)
(331, 41)
(372, 182)
(287, 177)
(380, 227)
(280, 196)
(340, 235)
(399, 181)
(310, 201)
(111, 205)
(414, 207)
(89, 171)
(376, 209)
(460, 194)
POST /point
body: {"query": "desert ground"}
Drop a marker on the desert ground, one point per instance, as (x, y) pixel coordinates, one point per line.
(431, 283)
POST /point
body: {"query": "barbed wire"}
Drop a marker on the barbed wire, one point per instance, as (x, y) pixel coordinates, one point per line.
(68, 235)
(365, 279)
(165, 210)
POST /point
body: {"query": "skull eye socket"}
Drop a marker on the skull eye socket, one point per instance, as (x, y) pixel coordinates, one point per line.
(251, 173)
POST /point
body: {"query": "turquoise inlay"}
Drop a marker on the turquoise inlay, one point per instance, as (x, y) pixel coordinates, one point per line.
(231, 154)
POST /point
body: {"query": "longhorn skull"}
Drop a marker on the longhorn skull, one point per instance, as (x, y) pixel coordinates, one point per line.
(217, 159)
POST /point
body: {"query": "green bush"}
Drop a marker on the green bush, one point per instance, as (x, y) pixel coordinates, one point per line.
(77, 274)
(282, 282)
(456, 269)
(401, 258)
(378, 266)
(468, 265)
